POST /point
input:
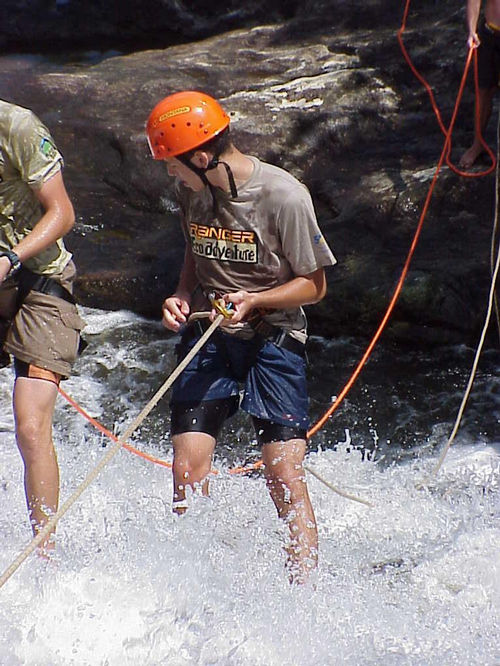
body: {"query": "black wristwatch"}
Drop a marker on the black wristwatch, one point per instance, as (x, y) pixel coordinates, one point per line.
(14, 261)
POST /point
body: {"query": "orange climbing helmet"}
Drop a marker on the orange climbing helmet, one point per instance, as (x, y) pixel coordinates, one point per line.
(182, 122)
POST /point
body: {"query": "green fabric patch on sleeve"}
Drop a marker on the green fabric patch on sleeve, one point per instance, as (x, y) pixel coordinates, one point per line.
(47, 148)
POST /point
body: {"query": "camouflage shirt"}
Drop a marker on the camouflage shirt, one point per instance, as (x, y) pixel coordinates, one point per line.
(28, 159)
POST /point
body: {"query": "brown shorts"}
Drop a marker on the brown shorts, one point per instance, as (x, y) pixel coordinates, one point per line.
(45, 332)
(34, 372)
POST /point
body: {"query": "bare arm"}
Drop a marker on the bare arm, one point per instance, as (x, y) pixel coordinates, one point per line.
(473, 9)
(57, 219)
(177, 307)
(301, 290)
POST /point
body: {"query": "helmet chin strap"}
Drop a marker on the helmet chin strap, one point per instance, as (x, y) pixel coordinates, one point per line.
(202, 173)
(186, 160)
(214, 163)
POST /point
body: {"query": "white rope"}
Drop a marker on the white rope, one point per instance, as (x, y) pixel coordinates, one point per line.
(340, 492)
(491, 299)
(48, 527)
(495, 223)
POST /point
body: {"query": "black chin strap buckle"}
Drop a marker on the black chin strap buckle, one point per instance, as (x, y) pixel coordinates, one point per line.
(214, 163)
(201, 173)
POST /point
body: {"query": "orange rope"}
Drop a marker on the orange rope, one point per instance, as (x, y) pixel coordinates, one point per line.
(444, 154)
(133, 449)
(477, 114)
(109, 434)
(445, 157)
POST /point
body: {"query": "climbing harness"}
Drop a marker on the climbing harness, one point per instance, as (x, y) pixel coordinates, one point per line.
(266, 332)
(29, 281)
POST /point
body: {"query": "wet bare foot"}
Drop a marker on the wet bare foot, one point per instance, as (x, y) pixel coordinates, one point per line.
(46, 552)
(299, 566)
(46, 549)
(470, 156)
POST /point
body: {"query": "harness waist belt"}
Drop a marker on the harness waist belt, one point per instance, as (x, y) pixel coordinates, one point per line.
(278, 336)
(29, 281)
(283, 339)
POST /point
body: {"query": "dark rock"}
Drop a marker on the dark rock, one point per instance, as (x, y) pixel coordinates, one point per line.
(326, 95)
(51, 26)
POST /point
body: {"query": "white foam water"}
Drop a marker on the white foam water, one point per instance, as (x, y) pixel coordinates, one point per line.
(413, 580)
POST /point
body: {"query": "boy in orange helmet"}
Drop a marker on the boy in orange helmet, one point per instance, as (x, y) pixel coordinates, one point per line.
(253, 243)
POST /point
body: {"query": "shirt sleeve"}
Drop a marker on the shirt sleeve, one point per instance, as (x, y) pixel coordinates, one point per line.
(34, 153)
(303, 244)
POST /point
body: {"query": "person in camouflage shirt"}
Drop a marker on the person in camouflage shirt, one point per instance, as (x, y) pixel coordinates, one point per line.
(39, 322)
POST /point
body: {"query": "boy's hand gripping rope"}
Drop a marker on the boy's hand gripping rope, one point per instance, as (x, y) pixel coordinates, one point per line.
(221, 306)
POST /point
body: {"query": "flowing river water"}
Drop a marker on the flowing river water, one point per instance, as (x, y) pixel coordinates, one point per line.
(415, 579)
(412, 580)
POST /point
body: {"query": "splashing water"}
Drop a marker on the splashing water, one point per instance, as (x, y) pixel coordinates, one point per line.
(413, 580)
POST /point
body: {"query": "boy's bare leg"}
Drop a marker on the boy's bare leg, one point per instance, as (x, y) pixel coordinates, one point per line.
(34, 402)
(193, 453)
(485, 105)
(287, 485)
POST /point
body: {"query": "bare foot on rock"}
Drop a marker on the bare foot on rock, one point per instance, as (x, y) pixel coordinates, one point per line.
(470, 156)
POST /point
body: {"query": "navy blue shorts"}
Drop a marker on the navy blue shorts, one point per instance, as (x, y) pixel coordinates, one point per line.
(488, 54)
(273, 381)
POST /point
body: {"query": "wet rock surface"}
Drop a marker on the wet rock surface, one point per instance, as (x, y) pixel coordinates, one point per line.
(322, 91)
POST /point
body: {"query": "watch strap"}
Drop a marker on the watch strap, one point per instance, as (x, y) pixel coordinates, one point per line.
(15, 262)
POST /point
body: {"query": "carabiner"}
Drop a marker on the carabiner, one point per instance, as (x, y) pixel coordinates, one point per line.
(219, 304)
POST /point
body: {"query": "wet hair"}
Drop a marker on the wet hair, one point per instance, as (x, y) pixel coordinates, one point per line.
(218, 145)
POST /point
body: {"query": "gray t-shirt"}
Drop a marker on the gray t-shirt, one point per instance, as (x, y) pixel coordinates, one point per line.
(261, 239)
(28, 159)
